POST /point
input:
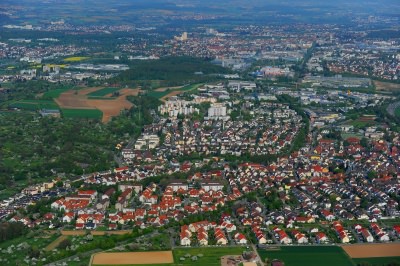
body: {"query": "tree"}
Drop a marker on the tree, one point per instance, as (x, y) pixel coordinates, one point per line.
(65, 243)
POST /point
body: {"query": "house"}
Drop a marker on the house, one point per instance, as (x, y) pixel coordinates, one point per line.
(367, 235)
(220, 237)
(300, 238)
(68, 217)
(321, 237)
(185, 236)
(240, 238)
(282, 236)
(202, 236)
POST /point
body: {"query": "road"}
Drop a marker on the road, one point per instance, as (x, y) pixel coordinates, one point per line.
(258, 255)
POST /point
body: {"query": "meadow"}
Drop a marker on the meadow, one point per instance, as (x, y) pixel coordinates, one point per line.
(310, 256)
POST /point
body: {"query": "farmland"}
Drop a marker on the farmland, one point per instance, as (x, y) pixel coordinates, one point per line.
(109, 107)
(103, 92)
(82, 113)
(373, 250)
(132, 258)
(76, 58)
(378, 261)
(34, 105)
(208, 256)
(311, 256)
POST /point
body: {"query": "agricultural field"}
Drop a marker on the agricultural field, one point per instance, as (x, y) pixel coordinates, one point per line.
(103, 92)
(132, 258)
(82, 113)
(54, 93)
(34, 105)
(110, 107)
(377, 261)
(310, 256)
(373, 250)
(76, 58)
(210, 256)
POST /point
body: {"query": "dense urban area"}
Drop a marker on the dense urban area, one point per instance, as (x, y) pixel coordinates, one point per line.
(241, 143)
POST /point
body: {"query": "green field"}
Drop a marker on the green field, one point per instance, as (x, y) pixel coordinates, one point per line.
(310, 256)
(158, 94)
(397, 112)
(211, 256)
(100, 98)
(34, 105)
(378, 261)
(103, 92)
(53, 94)
(82, 113)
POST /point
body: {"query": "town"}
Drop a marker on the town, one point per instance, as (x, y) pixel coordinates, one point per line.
(240, 143)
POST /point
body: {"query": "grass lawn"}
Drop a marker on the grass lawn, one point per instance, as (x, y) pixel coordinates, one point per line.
(378, 261)
(82, 113)
(211, 256)
(34, 105)
(103, 92)
(309, 255)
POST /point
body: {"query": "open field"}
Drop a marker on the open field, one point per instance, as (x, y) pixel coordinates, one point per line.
(34, 105)
(132, 258)
(73, 99)
(210, 256)
(54, 93)
(167, 88)
(82, 113)
(103, 92)
(378, 261)
(310, 256)
(55, 243)
(373, 250)
(386, 86)
(76, 58)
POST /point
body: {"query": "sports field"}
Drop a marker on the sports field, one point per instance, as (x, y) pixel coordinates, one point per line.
(308, 255)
